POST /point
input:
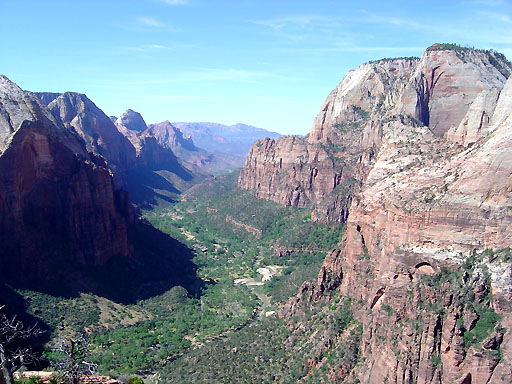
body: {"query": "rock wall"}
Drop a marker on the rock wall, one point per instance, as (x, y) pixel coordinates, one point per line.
(452, 92)
(446, 82)
(150, 151)
(171, 137)
(79, 114)
(425, 259)
(59, 206)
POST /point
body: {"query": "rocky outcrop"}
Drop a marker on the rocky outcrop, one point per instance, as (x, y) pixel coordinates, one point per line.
(65, 225)
(425, 262)
(428, 208)
(446, 82)
(132, 152)
(248, 228)
(159, 175)
(59, 206)
(293, 172)
(150, 152)
(171, 137)
(163, 146)
(452, 92)
(79, 114)
(324, 170)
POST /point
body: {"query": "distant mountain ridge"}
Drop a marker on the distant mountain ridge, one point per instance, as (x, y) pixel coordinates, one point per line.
(233, 139)
(65, 223)
(171, 137)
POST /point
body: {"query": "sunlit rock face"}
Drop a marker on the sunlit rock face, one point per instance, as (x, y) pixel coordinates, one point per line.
(451, 93)
(149, 149)
(171, 137)
(78, 113)
(415, 156)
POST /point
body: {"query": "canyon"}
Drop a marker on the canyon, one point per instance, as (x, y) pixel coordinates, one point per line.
(48, 176)
(405, 175)
(67, 223)
(414, 155)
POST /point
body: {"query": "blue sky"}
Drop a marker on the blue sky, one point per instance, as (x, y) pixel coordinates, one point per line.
(265, 63)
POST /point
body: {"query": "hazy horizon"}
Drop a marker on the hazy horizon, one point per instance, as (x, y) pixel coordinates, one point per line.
(266, 64)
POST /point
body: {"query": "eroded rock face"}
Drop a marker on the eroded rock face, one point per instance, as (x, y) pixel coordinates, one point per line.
(59, 206)
(163, 145)
(446, 91)
(79, 114)
(427, 205)
(324, 170)
(171, 137)
(446, 82)
(150, 152)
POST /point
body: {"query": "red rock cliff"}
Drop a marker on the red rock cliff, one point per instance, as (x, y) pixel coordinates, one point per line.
(59, 206)
(425, 260)
(336, 156)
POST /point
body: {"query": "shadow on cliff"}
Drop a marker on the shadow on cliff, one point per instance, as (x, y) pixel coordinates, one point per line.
(159, 263)
(150, 185)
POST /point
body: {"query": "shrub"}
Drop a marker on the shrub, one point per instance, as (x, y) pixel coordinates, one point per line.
(135, 380)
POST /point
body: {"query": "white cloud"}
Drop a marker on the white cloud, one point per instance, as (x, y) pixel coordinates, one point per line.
(150, 22)
(280, 23)
(157, 46)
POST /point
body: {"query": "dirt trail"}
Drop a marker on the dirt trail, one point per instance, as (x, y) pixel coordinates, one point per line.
(253, 284)
(265, 303)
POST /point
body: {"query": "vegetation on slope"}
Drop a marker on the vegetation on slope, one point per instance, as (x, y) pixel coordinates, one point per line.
(232, 234)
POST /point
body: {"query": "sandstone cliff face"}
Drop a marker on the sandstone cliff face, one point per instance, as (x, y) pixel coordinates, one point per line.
(171, 137)
(425, 207)
(150, 152)
(425, 261)
(79, 114)
(326, 170)
(59, 206)
(447, 91)
(446, 83)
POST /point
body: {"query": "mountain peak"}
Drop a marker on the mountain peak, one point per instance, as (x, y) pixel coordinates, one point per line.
(171, 137)
(133, 121)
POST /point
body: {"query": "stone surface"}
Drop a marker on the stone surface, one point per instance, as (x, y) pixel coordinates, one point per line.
(448, 91)
(446, 82)
(171, 137)
(427, 145)
(59, 205)
(150, 151)
(79, 114)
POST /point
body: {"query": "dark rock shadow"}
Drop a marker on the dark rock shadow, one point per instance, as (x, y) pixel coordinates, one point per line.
(159, 263)
(144, 186)
(147, 185)
(176, 168)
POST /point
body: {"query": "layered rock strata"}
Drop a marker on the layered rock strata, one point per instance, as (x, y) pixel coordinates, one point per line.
(451, 92)
(171, 137)
(425, 262)
(150, 151)
(79, 114)
(59, 205)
